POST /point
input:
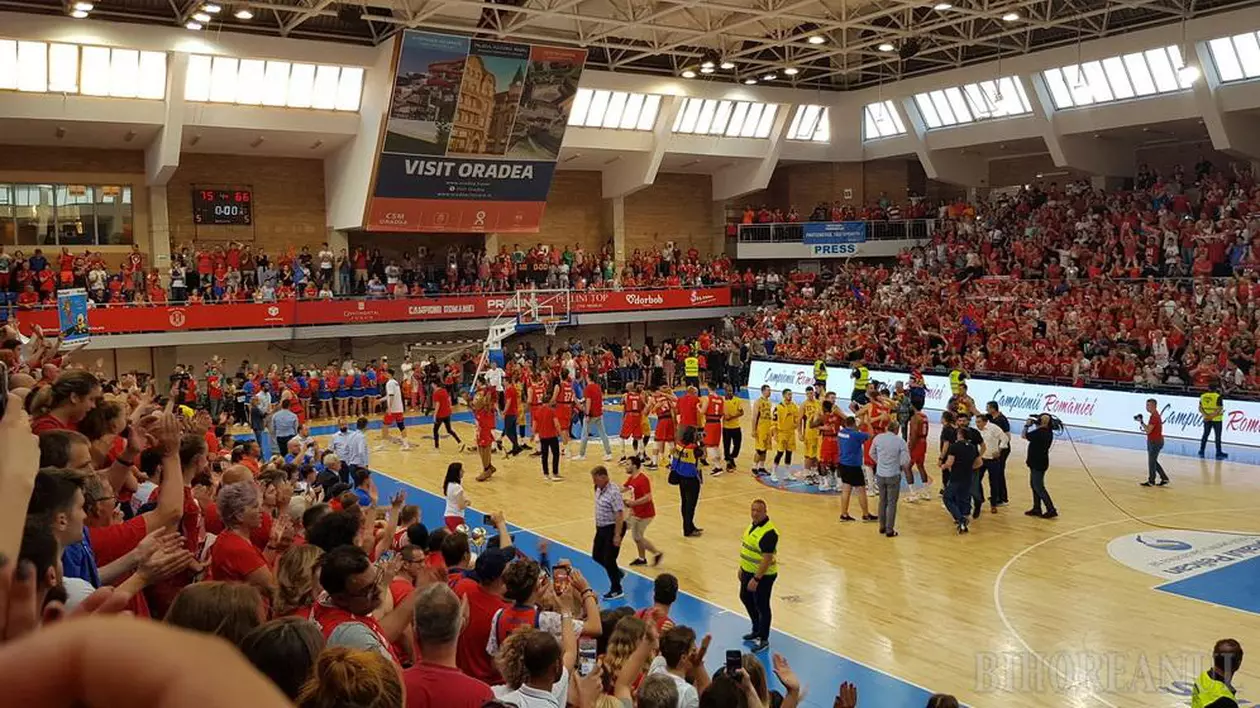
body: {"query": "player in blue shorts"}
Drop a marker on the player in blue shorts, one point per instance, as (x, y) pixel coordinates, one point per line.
(358, 395)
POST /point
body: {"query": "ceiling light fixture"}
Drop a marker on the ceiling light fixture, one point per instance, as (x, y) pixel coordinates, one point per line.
(201, 17)
(769, 77)
(707, 70)
(1010, 17)
(708, 64)
(886, 47)
(244, 14)
(688, 74)
(749, 81)
(83, 7)
(942, 6)
(727, 64)
(816, 39)
(211, 8)
(193, 25)
(791, 71)
(79, 14)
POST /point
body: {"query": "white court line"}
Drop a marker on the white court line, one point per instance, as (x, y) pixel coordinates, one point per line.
(706, 601)
(997, 582)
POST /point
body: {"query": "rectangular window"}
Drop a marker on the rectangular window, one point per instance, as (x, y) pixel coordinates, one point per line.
(812, 123)
(880, 120)
(984, 100)
(1237, 58)
(40, 67)
(1148, 73)
(253, 82)
(732, 119)
(620, 110)
(65, 215)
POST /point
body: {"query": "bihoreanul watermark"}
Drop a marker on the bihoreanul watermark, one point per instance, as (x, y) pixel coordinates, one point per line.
(1086, 672)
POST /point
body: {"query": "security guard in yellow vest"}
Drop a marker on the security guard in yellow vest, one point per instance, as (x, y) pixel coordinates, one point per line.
(691, 370)
(956, 378)
(757, 572)
(1213, 688)
(820, 376)
(1212, 408)
(861, 379)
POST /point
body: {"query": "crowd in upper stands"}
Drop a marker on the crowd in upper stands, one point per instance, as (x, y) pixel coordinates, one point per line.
(881, 209)
(236, 272)
(1155, 285)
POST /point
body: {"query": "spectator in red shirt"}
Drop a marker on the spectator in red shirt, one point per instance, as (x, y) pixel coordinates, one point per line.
(1154, 429)
(70, 397)
(233, 557)
(642, 511)
(482, 589)
(437, 682)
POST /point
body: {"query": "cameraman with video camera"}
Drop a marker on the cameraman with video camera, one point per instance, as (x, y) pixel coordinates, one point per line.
(1040, 437)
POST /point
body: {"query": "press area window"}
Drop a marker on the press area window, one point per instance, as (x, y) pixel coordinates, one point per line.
(255, 82)
(65, 215)
(41, 67)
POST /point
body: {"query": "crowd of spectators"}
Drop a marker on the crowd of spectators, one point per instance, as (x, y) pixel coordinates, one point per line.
(881, 209)
(299, 585)
(236, 272)
(1152, 286)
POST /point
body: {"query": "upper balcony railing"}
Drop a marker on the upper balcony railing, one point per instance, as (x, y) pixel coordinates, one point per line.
(794, 232)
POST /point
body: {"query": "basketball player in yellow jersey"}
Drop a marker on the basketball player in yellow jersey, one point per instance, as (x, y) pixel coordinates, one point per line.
(787, 418)
(811, 409)
(763, 425)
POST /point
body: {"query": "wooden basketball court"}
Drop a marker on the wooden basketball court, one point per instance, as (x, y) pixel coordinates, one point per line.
(1022, 611)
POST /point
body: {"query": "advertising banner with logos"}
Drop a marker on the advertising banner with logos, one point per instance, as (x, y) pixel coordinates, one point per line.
(299, 313)
(1082, 407)
(833, 232)
(473, 134)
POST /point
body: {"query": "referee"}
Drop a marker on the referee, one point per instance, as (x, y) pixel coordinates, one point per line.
(757, 572)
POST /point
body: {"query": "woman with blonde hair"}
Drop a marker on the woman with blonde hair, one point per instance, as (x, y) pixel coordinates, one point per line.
(625, 638)
(352, 677)
(296, 579)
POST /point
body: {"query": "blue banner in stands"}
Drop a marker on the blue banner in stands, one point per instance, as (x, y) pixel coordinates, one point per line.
(831, 232)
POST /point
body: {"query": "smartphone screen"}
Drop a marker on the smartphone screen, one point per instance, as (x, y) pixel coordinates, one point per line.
(586, 655)
(487, 519)
(734, 661)
(560, 578)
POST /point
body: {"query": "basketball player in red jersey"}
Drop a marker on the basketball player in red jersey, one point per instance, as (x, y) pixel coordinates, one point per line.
(828, 421)
(483, 405)
(918, 434)
(632, 419)
(714, 406)
(537, 396)
(664, 405)
(874, 416)
(563, 399)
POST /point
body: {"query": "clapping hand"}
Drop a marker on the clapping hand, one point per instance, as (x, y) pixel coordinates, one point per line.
(785, 673)
(847, 696)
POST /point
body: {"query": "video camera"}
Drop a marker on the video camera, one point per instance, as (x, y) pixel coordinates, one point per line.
(1056, 423)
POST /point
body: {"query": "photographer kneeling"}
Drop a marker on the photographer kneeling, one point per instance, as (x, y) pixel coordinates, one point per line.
(1040, 437)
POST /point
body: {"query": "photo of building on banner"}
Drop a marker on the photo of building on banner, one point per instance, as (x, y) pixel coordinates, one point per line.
(474, 130)
(72, 317)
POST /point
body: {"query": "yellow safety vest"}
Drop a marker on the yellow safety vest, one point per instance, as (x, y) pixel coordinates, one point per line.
(955, 381)
(820, 371)
(863, 379)
(1207, 690)
(1212, 402)
(750, 549)
(692, 366)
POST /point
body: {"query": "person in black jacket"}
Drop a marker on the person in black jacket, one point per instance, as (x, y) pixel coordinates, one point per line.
(1040, 438)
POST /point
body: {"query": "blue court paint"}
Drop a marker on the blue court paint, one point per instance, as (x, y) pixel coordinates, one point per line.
(820, 670)
(1236, 586)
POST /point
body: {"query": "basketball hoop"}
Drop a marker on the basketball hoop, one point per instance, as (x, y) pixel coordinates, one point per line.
(550, 325)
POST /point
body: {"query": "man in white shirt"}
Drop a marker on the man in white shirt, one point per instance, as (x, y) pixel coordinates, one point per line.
(393, 401)
(681, 660)
(996, 441)
(494, 379)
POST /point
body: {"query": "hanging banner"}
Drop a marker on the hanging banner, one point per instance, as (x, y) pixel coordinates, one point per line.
(473, 134)
(72, 316)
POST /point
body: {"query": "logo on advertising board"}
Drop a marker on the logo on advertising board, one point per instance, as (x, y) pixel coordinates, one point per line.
(698, 299)
(779, 376)
(273, 311)
(1175, 554)
(644, 300)
(178, 318)
(833, 232)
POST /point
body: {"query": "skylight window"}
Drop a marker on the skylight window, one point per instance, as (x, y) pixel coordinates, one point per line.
(253, 82)
(880, 120)
(1237, 58)
(985, 100)
(732, 119)
(597, 108)
(1148, 73)
(40, 67)
(811, 123)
